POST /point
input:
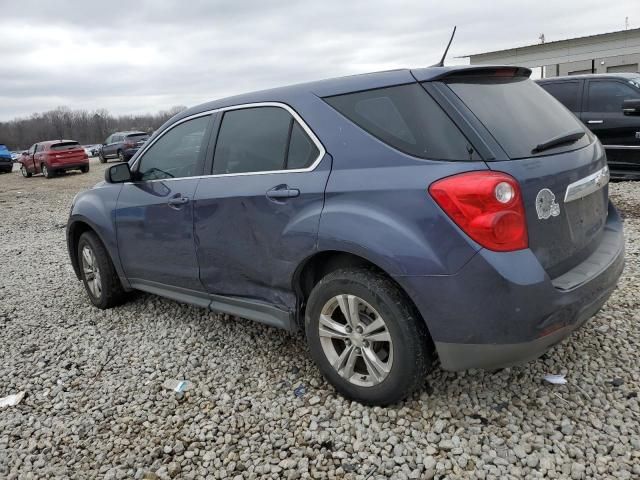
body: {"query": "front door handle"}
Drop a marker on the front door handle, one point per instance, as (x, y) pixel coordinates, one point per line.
(280, 193)
(593, 122)
(177, 202)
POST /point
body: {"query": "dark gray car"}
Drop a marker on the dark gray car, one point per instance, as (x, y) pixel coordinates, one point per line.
(122, 145)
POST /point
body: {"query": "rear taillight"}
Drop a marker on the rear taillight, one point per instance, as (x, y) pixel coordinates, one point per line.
(129, 144)
(487, 206)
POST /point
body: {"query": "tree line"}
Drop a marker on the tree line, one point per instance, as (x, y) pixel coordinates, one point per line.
(86, 127)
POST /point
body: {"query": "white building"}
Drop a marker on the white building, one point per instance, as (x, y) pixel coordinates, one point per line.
(602, 53)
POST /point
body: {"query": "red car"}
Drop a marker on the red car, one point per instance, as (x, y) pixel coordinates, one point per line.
(53, 156)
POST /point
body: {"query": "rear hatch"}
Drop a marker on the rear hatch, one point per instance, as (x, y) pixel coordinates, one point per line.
(66, 152)
(559, 164)
(136, 140)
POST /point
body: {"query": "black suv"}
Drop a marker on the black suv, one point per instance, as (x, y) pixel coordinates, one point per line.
(122, 145)
(609, 104)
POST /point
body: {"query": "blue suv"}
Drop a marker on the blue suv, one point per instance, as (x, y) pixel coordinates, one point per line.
(457, 213)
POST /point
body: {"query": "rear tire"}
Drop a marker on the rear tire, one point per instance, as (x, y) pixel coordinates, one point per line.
(25, 173)
(102, 158)
(46, 171)
(85, 169)
(121, 156)
(99, 276)
(387, 338)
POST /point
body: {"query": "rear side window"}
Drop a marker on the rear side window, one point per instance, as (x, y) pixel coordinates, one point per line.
(607, 95)
(567, 93)
(64, 145)
(262, 139)
(137, 136)
(406, 118)
(518, 113)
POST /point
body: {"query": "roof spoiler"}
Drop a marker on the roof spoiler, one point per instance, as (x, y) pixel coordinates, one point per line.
(483, 71)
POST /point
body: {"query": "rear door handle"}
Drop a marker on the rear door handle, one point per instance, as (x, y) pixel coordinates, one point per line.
(177, 201)
(282, 193)
(592, 122)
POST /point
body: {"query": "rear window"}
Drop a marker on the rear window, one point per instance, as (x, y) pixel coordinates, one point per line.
(518, 113)
(406, 118)
(64, 145)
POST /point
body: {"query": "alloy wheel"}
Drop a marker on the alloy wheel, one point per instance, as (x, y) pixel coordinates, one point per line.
(91, 271)
(356, 341)
(23, 170)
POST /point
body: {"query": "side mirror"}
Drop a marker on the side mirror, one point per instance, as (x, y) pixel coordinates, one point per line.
(118, 173)
(631, 106)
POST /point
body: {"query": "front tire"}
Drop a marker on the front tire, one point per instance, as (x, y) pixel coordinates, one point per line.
(98, 274)
(102, 158)
(46, 171)
(366, 337)
(25, 173)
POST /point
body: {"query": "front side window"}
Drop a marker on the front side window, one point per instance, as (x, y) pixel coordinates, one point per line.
(177, 153)
(406, 118)
(607, 95)
(261, 139)
(566, 93)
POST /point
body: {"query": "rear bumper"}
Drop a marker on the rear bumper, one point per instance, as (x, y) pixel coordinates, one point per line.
(502, 308)
(58, 167)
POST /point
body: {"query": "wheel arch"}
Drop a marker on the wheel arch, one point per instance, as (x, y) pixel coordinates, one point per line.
(320, 264)
(76, 227)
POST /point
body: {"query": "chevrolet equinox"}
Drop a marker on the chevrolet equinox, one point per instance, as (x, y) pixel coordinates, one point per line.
(457, 213)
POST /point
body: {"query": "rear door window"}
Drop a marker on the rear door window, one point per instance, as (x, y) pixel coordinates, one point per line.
(567, 93)
(608, 95)
(406, 118)
(302, 151)
(518, 113)
(262, 139)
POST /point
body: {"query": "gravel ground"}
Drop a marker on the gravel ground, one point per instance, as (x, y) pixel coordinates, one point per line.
(95, 405)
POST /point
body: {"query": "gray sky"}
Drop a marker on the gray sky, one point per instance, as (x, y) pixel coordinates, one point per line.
(148, 55)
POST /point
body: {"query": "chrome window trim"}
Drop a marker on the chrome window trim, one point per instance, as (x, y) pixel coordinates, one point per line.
(622, 147)
(294, 114)
(587, 185)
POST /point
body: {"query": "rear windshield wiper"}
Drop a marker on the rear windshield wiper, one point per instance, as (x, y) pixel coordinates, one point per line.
(559, 140)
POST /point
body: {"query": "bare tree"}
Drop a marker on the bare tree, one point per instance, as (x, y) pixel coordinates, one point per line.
(87, 127)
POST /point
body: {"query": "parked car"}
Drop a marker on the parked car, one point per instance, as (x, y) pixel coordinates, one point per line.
(6, 162)
(15, 155)
(91, 150)
(458, 212)
(52, 157)
(610, 106)
(122, 145)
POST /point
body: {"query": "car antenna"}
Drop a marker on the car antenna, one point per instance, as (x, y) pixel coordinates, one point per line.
(441, 62)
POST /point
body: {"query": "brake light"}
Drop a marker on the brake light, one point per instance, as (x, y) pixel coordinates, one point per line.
(129, 144)
(487, 206)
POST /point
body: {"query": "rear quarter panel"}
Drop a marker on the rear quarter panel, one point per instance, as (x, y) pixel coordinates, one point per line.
(377, 205)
